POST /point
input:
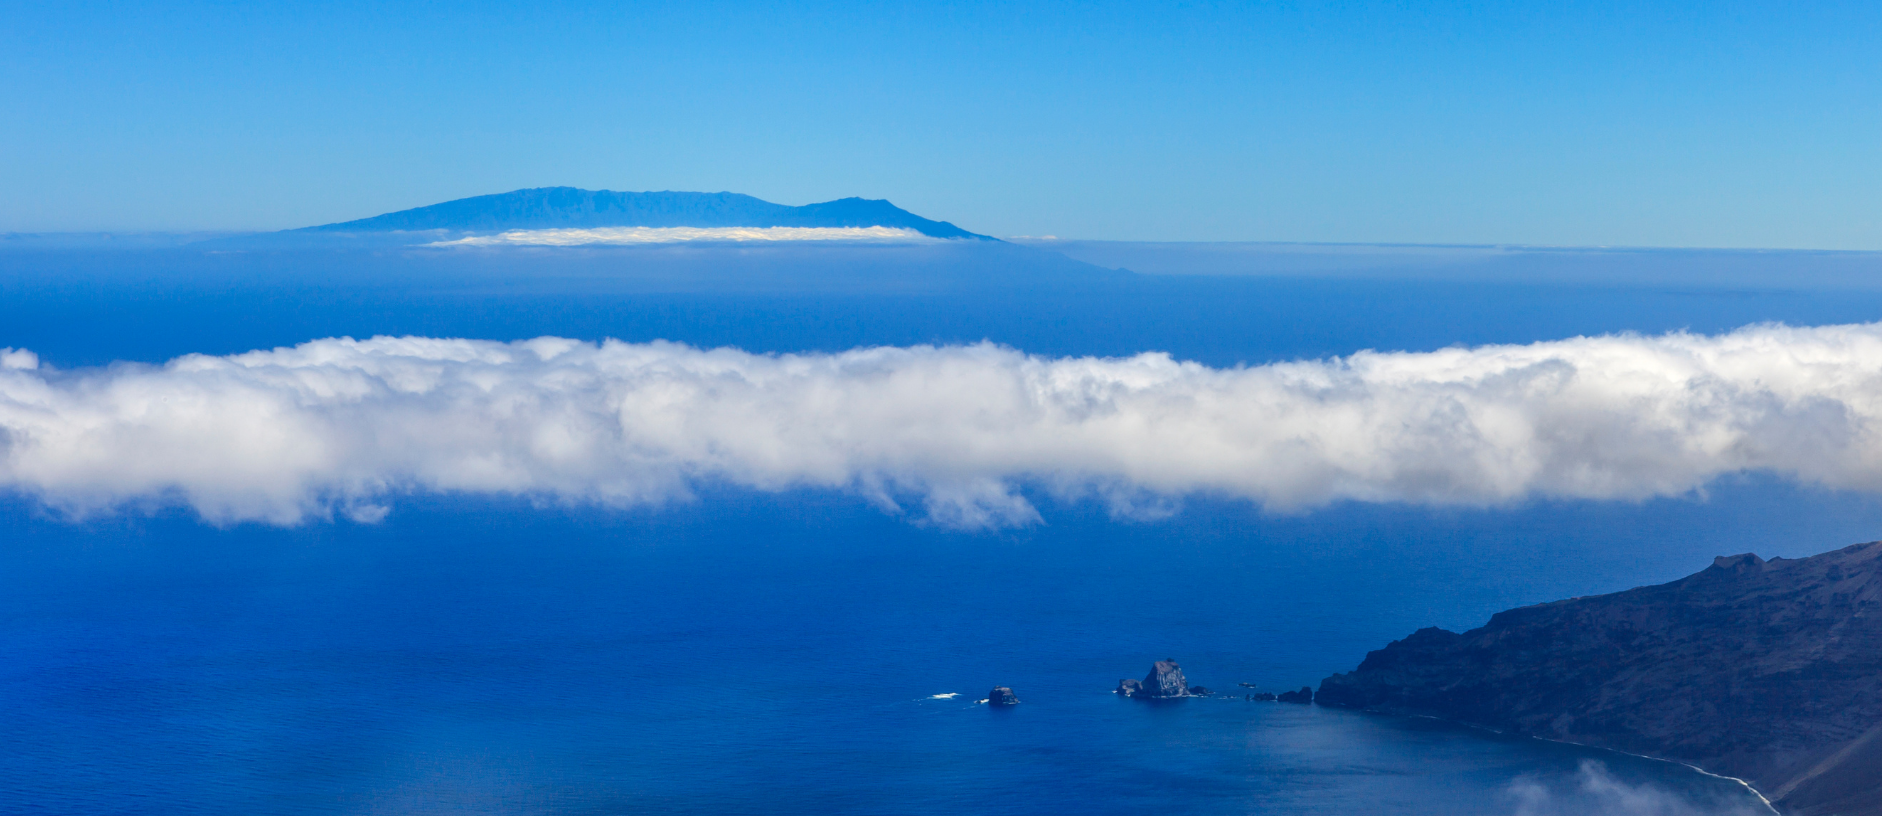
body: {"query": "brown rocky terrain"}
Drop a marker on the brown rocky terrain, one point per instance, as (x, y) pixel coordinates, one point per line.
(1769, 671)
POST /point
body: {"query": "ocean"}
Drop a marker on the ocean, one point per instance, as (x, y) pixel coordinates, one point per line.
(805, 651)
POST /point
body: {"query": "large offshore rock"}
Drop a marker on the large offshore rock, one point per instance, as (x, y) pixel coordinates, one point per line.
(1769, 671)
(1001, 695)
(1165, 680)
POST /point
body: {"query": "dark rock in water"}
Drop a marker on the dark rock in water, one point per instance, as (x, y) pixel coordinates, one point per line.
(1199, 691)
(1305, 695)
(1164, 680)
(1001, 695)
(1264, 697)
(1247, 685)
(1768, 671)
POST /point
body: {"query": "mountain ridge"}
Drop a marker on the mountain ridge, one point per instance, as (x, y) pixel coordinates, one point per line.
(574, 208)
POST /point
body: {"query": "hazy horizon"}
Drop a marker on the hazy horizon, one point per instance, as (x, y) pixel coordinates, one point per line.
(1658, 124)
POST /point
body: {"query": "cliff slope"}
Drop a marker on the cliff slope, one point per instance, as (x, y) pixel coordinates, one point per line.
(1770, 671)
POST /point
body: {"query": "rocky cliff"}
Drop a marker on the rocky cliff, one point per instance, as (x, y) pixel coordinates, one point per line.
(1769, 671)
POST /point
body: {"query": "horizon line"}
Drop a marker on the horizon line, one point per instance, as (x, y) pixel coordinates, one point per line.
(14, 235)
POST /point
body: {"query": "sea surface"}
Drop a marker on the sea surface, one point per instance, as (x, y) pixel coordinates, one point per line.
(804, 652)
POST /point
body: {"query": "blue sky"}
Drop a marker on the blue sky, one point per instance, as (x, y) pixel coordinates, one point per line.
(1674, 124)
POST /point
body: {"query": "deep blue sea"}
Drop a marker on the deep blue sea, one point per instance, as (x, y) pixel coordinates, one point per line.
(787, 653)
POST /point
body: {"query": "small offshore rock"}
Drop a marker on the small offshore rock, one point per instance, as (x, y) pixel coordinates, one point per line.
(1264, 697)
(1199, 691)
(1001, 695)
(1247, 685)
(1305, 695)
(1129, 688)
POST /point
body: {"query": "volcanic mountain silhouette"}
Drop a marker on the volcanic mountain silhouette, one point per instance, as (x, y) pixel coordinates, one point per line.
(570, 207)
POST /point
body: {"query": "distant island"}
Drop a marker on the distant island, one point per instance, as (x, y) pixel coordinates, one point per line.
(544, 208)
(1767, 671)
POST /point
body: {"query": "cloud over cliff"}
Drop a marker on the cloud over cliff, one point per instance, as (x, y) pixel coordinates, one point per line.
(1597, 790)
(947, 434)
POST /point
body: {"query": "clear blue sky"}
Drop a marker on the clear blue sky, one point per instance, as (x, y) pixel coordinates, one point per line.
(1673, 124)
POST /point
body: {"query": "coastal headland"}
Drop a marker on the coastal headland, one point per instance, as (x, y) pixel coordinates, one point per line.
(1766, 671)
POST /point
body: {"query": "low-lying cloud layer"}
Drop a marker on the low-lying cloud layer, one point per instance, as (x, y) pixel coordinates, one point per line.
(946, 434)
(671, 235)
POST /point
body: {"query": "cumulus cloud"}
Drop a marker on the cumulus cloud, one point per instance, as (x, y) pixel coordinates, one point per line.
(671, 235)
(953, 435)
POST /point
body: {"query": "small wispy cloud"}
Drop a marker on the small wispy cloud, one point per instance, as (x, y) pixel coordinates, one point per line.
(952, 435)
(1595, 790)
(670, 235)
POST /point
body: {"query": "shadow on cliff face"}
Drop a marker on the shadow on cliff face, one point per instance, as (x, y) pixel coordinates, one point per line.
(1594, 790)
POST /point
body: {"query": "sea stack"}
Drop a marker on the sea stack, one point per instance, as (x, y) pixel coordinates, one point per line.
(1768, 671)
(1002, 696)
(1165, 680)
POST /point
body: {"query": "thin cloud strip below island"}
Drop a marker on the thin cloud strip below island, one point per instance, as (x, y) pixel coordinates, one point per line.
(950, 435)
(673, 235)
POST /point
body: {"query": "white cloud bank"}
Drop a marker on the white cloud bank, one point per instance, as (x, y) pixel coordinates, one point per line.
(343, 425)
(672, 235)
